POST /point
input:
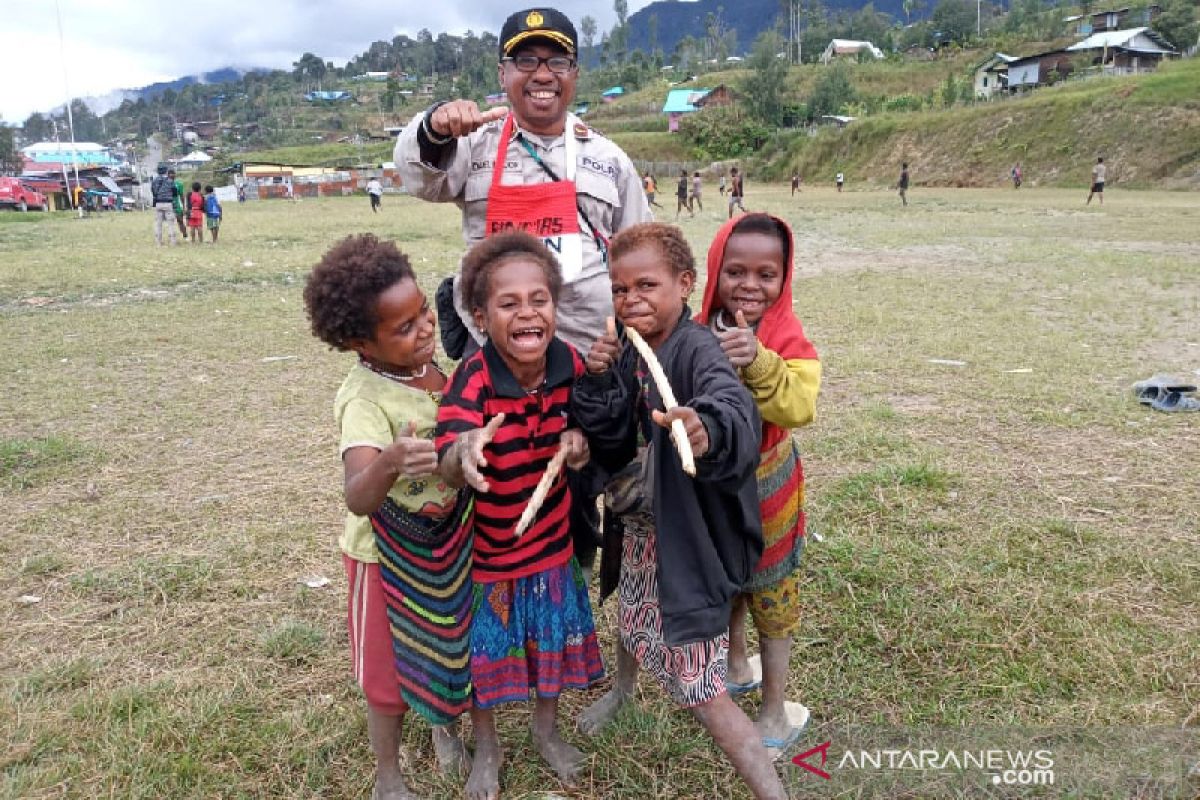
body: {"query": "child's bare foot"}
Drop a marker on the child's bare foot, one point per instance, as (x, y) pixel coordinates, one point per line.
(484, 781)
(602, 712)
(391, 787)
(564, 759)
(452, 756)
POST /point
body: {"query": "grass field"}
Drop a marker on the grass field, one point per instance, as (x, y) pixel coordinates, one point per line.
(1012, 541)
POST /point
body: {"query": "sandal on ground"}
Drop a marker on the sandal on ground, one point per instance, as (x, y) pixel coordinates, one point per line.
(1172, 401)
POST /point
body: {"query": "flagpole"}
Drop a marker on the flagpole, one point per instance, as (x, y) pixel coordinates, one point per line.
(70, 117)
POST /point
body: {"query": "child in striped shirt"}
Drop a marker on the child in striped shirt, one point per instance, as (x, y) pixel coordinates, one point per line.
(502, 419)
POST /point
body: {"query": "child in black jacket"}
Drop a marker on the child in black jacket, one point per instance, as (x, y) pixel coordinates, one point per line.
(674, 622)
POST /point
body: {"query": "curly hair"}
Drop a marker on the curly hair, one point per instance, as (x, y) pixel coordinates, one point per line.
(767, 225)
(344, 287)
(667, 239)
(483, 259)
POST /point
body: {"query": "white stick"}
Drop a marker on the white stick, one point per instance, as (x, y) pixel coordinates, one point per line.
(540, 491)
(678, 432)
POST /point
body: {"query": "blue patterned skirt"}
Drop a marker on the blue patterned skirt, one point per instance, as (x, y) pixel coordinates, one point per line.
(533, 634)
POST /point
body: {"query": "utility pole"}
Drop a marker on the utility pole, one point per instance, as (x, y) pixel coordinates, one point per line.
(978, 19)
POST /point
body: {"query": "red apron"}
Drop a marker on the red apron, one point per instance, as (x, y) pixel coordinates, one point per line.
(546, 210)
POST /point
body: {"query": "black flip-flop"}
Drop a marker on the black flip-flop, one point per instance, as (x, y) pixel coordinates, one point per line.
(1172, 401)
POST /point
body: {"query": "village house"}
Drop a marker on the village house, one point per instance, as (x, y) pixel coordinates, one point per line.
(1114, 19)
(1125, 52)
(716, 98)
(991, 77)
(680, 102)
(843, 48)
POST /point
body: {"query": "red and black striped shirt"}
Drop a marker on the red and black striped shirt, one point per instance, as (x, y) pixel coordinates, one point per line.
(482, 387)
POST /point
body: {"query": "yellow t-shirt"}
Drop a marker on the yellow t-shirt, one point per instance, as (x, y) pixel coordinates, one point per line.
(370, 409)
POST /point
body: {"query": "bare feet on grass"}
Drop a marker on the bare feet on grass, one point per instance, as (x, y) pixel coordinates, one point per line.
(600, 713)
(484, 781)
(564, 759)
(452, 756)
(391, 787)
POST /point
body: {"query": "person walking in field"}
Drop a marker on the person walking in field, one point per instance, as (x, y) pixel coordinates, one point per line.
(721, 185)
(375, 192)
(1015, 174)
(840, 180)
(694, 200)
(795, 183)
(1099, 173)
(212, 212)
(681, 195)
(162, 190)
(902, 184)
(651, 187)
(736, 190)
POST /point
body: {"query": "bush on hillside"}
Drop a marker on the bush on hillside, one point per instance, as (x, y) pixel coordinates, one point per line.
(724, 132)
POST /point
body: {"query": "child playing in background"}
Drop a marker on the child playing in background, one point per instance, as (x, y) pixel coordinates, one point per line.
(195, 214)
(681, 195)
(748, 305)
(502, 419)
(673, 621)
(212, 211)
(406, 543)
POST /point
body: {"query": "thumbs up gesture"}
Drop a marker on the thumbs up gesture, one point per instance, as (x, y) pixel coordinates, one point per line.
(739, 344)
(411, 455)
(604, 350)
(460, 117)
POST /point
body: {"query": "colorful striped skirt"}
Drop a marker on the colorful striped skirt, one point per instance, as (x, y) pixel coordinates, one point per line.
(533, 634)
(425, 566)
(781, 499)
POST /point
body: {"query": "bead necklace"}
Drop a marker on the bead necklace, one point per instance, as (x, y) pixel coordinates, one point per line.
(392, 375)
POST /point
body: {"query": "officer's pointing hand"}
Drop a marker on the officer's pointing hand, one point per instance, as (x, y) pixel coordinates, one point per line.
(460, 117)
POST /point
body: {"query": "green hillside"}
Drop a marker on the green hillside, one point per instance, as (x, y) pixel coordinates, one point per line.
(1147, 127)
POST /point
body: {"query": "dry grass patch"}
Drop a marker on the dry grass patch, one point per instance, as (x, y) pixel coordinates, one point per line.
(1012, 540)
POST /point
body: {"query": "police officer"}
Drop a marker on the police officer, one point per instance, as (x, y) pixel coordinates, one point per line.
(482, 160)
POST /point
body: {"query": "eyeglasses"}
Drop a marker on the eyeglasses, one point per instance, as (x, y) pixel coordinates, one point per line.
(559, 65)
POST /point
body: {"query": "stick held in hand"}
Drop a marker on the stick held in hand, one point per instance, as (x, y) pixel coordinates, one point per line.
(678, 432)
(540, 491)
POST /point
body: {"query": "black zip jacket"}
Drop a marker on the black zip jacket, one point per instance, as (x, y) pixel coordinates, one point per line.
(708, 528)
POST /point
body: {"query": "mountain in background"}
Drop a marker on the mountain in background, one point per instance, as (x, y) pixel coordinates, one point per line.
(102, 104)
(677, 19)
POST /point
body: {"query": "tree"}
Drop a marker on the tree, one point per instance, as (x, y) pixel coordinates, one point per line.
(587, 27)
(309, 69)
(954, 20)
(1177, 23)
(10, 156)
(764, 87)
(36, 128)
(832, 91)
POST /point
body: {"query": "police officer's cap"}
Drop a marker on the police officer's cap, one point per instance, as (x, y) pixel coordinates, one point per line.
(548, 24)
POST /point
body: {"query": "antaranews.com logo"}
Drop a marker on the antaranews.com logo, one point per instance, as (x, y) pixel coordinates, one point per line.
(999, 767)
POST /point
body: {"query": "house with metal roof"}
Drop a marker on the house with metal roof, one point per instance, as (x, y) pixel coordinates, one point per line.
(1128, 51)
(838, 48)
(991, 76)
(680, 102)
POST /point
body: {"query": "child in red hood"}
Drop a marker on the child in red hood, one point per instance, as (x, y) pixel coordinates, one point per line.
(748, 305)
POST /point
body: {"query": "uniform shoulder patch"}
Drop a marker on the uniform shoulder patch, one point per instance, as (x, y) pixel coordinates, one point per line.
(582, 131)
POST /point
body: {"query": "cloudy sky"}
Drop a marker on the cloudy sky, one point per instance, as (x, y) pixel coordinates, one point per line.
(118, 44)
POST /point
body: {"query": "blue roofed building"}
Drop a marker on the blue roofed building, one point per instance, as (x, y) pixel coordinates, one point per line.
(680, 102)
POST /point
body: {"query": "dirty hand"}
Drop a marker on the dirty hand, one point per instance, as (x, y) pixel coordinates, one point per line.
(410, 455)
(575, 444)
(471, 448)
(696, 432)
(739, 344)
(604, 350)
(460, 117)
